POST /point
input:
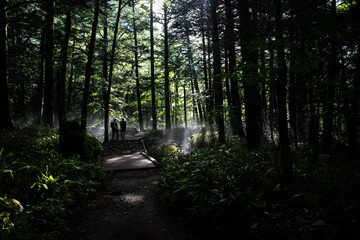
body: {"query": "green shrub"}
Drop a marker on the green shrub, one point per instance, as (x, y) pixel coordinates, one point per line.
(49, 189)
(164, 151)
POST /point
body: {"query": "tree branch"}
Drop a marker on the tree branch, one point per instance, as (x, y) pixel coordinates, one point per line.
(8, 8)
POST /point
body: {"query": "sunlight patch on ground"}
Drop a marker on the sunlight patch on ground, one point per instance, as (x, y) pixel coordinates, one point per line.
(132, 198)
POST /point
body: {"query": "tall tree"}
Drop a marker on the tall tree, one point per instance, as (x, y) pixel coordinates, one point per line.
(38, 104)
(138, 95)
(49, 64)
(152, 63)
(105, 71)
(235, 108)
(328, 105)
(217, 71)
(281, 96)
(90, 56)
(112, 59)
(166, 63)
(5, 120)
(251, 86)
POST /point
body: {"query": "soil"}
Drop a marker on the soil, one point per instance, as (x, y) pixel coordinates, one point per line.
(129, 208)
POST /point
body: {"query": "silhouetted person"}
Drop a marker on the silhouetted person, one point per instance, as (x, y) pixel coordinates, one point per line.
(122, 128)
(114, 129)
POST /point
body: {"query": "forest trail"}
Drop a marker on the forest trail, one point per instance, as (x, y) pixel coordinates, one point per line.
(127, 154)
(129, 207)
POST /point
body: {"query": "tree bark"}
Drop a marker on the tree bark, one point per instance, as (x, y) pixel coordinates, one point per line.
(88, 67)
(328, 105)
(185, 107)
(138, 95)
(64, 59)
(152, 63)
(217, 72)
(105, 73)
(38, 105)
(281, 93)
(112, 61)
(49, 64)
(70, 87)
(235, 107)
(167, 83)
(251, 86)
(5, 119)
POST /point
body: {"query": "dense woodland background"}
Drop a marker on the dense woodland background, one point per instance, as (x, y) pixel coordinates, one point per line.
(280, 75)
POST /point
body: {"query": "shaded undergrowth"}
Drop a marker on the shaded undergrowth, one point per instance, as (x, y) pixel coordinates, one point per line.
(40, 189)
(231, 192)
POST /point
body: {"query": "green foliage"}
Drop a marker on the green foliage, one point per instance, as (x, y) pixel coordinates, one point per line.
(203, 139)
(49, 189)
(229, 189)
(163, 151)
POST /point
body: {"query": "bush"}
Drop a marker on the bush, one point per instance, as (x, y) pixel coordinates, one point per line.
(236, 192)
(41, 190)
(164, 151)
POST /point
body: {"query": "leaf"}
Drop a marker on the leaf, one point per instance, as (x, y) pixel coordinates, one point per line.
(9, 171)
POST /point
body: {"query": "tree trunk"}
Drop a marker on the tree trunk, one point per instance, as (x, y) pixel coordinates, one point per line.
(217, 72)
(251, 87)
(167, 84)
(152, 63)
(281, 93)
(38, 105)
(206, 109)
(235, 107)
(64, 59)
(353, 119)
(185, 107)
(138, 95)
(105, 73)
(49, 64)
(88, 67)
(194, 75)
(5, 119)
(328, 105)
(195, 112)
(70, 87)
(112, 59)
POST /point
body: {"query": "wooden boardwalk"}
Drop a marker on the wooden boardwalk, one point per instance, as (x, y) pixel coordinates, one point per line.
(126, 154)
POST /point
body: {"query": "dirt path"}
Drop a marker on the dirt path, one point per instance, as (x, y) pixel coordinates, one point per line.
(130, 208)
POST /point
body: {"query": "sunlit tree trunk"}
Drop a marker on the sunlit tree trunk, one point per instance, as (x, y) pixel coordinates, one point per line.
(105, 73)
(281, 93)
(49, 64)
(185, 107)
(88, 67)
(112, 59)
(152, 63)
(205, 69)
(195, 110)
(138, 95)
(217, 72)
(167, 83)
(5, 119)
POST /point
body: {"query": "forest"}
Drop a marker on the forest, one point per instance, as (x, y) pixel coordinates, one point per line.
(265, 93)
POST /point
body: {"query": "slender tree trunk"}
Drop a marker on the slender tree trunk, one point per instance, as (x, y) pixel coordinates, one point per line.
(185, 107)
(206, 109)
(272, 93)
(40, 84)
(194, 75)
(138, 95)
(88, 67)
(328, 105)
(281, 93)
(5, 119)
(152, 62)
(167, 84)
(353, 119)
(64, 59)
(195, 111)
(313, 137)
(49, 64)
(235, 107)
(217, 72)
(227, 83)
(105, 73)
(70, 87)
